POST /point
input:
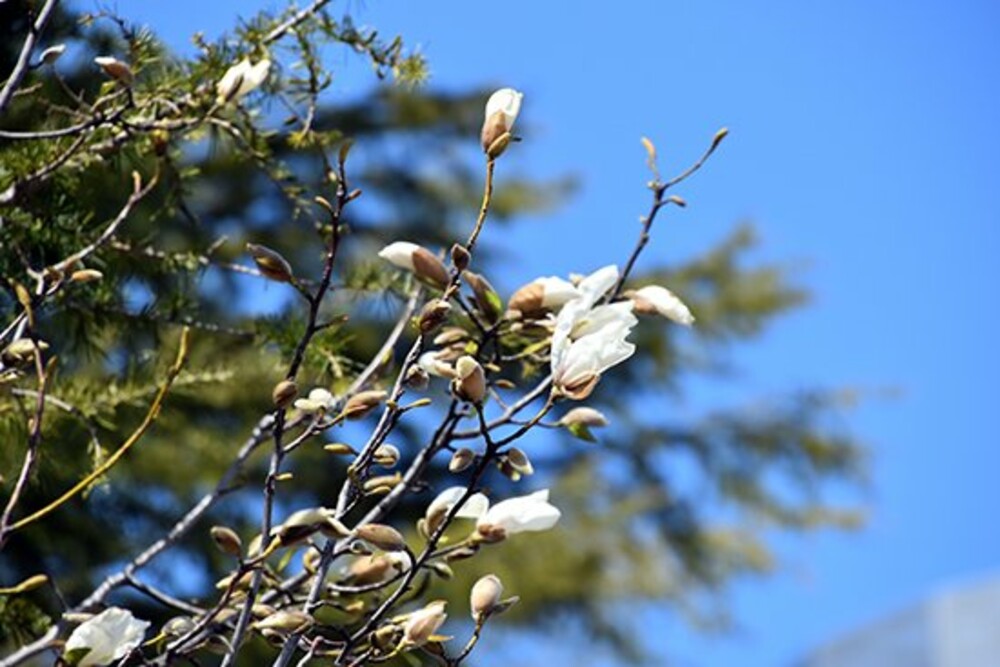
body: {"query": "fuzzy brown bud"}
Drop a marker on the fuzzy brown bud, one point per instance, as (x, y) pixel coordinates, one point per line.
(270, 263)
(227, 540)
(379, 535)
(460, 257)
(470, 381)
(433, 315)
(431, 269)
(85, 275)
(364, 402)
(528, 300)
(461, 459)
(519, 461)
(284, 393)
(487, 300)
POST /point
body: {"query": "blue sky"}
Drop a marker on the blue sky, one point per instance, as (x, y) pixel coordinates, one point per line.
(866, 149)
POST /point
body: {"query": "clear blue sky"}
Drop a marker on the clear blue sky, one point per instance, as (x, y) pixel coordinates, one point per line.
(865, 140)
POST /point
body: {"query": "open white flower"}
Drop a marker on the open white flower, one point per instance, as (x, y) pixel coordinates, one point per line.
(588, 340)
(109, 636)
(241, 79)
(522, 514)
(657, 300)
(501, 112)
(319, 400)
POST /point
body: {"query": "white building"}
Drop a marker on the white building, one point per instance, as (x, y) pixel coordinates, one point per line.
(958, 627)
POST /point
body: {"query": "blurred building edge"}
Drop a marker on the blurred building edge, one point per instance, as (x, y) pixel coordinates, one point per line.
(957, 627)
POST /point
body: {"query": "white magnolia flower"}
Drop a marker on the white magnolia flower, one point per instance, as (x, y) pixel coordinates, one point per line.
(657, 300)
(241, 79)
(109, 636)
(319, 400)
(588, 340)
(473, 508)
(501, 112)
(522, 514)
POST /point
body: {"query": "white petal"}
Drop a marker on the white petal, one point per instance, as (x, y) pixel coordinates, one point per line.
(473, 508)
(321, 396)
(598, 283)
(400, 254)
(527, 513)
(109, 636)
(431, 365)
(666, 303)
(602, 316)
(254, 76)
(556, 291)
(506, 101)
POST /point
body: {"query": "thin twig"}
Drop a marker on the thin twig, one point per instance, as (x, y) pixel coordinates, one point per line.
(24, 59)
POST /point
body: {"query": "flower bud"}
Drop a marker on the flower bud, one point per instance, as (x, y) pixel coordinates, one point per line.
(485, 596)
(382, 483)
(286, 621)
(584, 416)
(284, 392)
(363, 402)
(528, 299)
(85, 275)
(368, 570)
(115, 68)
(487, 300)
(470, 381)
(519, 461)
(460, 257)
(423, 623)
(657, 300)
(461, 459)
(386, 455)
(271, 264)
(227, 540)
(501, 111)
(418, 260)
(379, 535)
(433, 315)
